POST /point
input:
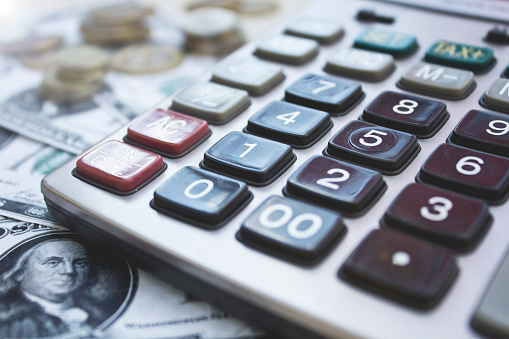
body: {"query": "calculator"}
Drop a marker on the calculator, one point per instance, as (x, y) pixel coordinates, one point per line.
(344, 175)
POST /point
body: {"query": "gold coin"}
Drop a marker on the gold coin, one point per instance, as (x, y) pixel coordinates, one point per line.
(146, 58)
(83, 58)
(120, 13)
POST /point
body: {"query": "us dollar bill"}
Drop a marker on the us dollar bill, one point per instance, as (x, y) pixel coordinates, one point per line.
(24, 163)
(53, 284)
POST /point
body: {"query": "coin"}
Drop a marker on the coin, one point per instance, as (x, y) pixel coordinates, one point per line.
(32, 44)
(230, 4)
(120, 13)
(119, 34)
(146, 58)
(255, 6)
(38, 61)
(55, 89)
(82, 58)
(210, 22)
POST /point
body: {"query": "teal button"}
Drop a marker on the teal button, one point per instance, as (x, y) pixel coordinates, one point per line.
(394, 43)
(472, 58)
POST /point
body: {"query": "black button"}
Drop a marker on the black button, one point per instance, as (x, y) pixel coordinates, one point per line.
(407, 113)
(332, 95)
(297, 126)
(483, 131)
(200, 197)
(469, 172)
(401, 267)
(336, 185)
(380, 148)
(252, 159)
(292, 230)
(440, 216)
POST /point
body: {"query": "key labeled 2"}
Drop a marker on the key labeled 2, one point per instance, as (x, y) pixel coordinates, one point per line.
(292, 230)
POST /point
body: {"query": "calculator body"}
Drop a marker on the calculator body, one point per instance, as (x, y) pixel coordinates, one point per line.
(293, 300)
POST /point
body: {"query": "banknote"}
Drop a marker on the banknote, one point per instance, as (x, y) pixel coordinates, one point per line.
(54, 284)
(24, 162)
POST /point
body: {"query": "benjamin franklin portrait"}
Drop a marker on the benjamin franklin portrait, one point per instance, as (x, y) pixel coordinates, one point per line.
(56, 285)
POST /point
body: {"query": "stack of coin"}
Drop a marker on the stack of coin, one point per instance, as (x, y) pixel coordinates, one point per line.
(36, 52)
(212, 31)
(77, 74)
(146, 58)
(240, 6)
(116, 24)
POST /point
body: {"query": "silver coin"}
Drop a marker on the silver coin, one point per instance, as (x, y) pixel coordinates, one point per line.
(146, 58)
(120, 13)
(210, 22)
(32, 44)
(83, 58)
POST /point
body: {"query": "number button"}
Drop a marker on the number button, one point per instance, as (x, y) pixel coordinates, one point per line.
(323, 93)
(402, 268)
(200, 197)
(292, 230)
(443, 217)
(483, 131)
(168, 133)
(252, 159)
(119, 168)
(407, 113)
(215, 103)
(297, 126)
(337, 185)
(469, 172)
(380, 148)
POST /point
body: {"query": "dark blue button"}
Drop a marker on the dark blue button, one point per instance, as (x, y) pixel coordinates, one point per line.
(201, 197)
(337, 185)
(295, 125)
(292, 229)
(332, 95)
(250, 158)
(380, 148)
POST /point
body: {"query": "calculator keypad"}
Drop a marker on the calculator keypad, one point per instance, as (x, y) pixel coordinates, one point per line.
(472, 58)
(376, 147)
(357, 63)
(255, 160)
(292, 230)
(438, 81)
(118, 167)
(440, 216)
(337, 185)
(324, 93)
(201, 197)
(477, 174)
(215, 103)
(408, 113)
(291, 124)
(483, 131)
(381, 40)
(167, 132)
(400, 267)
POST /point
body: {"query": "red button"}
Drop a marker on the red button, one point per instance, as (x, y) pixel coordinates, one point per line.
(119, 166)
(167, 131)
